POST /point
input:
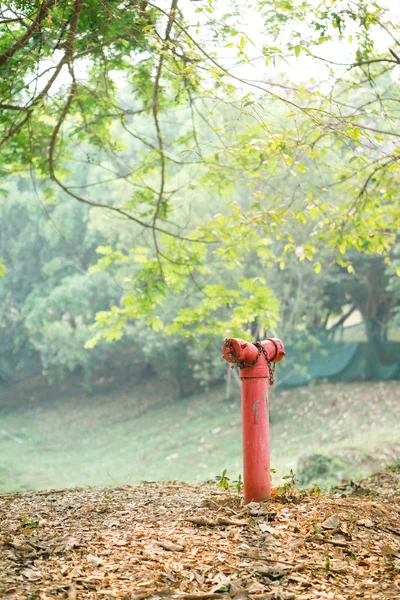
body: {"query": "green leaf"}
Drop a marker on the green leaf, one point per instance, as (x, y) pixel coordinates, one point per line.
(317, 268)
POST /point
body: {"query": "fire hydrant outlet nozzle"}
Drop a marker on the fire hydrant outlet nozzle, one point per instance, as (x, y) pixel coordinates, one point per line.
(238, 351)
(256, 362)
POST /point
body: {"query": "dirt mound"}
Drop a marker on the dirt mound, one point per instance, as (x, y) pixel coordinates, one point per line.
(385, 485)
(196, 542)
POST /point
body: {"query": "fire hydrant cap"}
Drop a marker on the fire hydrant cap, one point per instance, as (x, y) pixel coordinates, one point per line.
(254, 359)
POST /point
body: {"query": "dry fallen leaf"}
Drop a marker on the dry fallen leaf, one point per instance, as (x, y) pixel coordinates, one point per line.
(365, 522)
(273, 571)
(95, 560)
(332, 522)
(171, 547)
(31, 574)
(267, 528)
(389, 552)
(279, 595)
(201, 521)
(227, 521)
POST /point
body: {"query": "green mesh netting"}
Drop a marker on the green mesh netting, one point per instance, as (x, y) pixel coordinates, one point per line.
(364, 352)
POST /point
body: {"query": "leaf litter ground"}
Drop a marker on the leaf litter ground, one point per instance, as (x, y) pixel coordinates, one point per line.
(178, 540)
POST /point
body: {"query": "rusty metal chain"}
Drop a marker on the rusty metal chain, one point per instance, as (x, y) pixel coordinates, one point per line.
(261, 350)
(271, 378)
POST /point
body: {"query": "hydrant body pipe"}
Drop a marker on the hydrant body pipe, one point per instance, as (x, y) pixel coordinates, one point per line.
(255, 413)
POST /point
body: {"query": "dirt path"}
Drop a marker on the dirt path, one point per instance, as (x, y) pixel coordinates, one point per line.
(196, 541)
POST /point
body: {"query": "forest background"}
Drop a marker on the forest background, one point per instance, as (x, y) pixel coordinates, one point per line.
(173, 174)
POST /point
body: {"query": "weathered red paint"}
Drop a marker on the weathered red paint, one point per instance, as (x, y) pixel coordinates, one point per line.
(255, 418)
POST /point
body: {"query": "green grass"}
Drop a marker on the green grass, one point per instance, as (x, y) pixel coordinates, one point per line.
(129, 436)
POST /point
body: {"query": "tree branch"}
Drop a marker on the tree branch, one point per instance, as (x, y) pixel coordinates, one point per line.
(44, 8)
(68, 191)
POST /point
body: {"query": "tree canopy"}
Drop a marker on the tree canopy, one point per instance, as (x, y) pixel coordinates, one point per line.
(218, 148)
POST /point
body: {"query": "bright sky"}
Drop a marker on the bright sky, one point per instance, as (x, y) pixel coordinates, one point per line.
(297, 69)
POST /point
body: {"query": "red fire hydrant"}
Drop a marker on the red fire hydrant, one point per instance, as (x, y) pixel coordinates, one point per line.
(256, 361)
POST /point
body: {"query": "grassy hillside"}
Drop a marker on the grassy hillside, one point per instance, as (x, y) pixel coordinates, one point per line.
(52, 438)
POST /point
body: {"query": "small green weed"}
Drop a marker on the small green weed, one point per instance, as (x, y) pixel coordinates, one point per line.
(394, 468)
(289, 487)
(314, 490)
(32, 522)
(238, 483)
(327, 564)
(223, 480)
